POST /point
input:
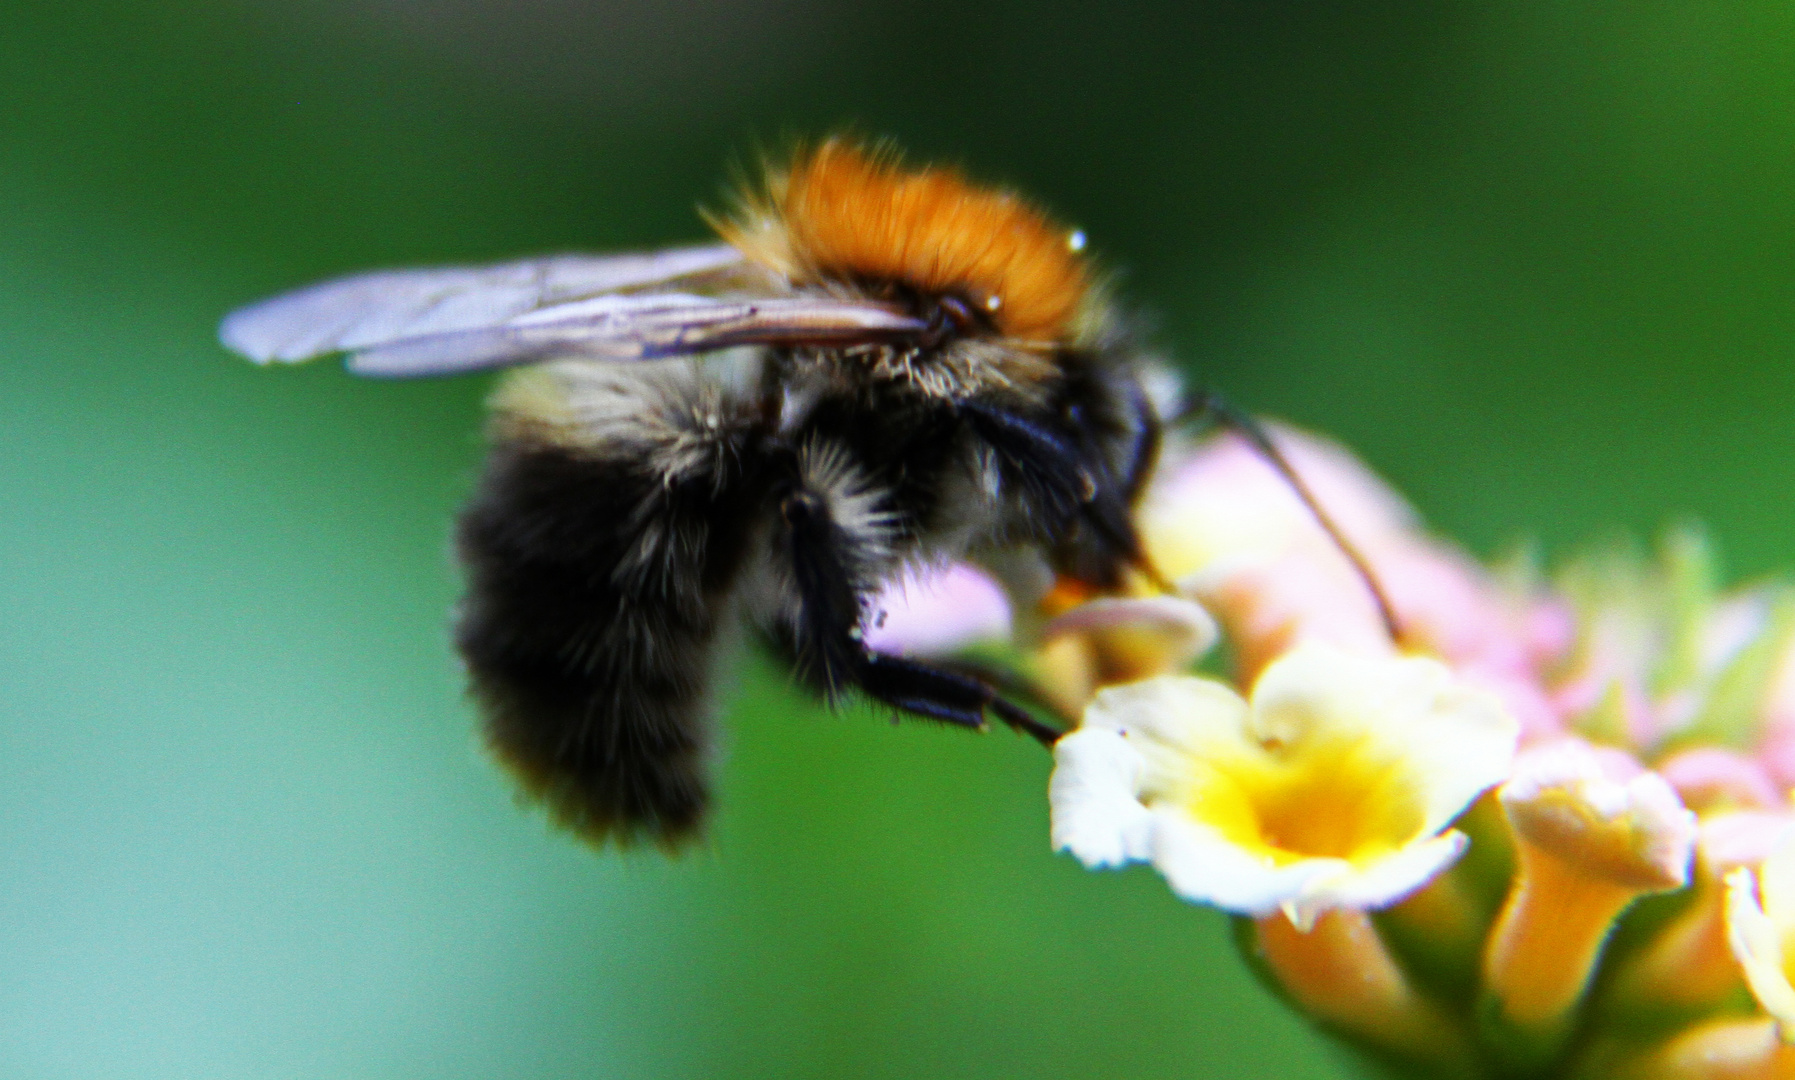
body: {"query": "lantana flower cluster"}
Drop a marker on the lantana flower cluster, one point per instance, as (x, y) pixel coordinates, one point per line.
(1544, 830)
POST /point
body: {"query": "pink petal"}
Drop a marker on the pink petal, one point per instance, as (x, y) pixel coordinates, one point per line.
(935, 610)
(1709, 774)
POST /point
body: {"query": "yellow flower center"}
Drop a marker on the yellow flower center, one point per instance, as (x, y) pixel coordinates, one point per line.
(1314, 798)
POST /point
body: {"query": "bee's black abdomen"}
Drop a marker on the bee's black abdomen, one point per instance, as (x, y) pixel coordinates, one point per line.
(595, 590)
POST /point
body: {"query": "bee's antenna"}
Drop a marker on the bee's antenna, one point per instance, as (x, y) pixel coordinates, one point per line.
(1207, 405)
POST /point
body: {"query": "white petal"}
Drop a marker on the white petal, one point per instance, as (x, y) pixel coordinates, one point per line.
(1741, 837)
(1669, 829)
(1188, 625)
(1456, 739)
(1171, 714)
(1204, 867)
(1095, 801)
(1776, 879)
(1756, 942)
(1580, 804)
(1385, 882)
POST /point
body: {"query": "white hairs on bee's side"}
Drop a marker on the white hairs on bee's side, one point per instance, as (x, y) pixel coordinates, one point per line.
(1164, 389)
(768, 595)
(859, 508)
(679, 420)
(680, 415)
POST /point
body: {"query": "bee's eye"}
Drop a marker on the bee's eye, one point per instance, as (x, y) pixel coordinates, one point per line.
(950, 316)
(959, 313)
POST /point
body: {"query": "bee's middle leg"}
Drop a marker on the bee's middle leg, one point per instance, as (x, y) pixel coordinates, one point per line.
(942, 694)
(828, 645)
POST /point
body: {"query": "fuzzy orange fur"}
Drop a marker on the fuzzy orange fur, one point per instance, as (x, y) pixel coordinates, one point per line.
(841, 212)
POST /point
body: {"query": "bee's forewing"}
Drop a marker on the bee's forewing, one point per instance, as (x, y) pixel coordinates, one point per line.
(367, 311)
(636, 327)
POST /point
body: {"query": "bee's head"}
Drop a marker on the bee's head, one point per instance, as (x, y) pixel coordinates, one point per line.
(993, 278)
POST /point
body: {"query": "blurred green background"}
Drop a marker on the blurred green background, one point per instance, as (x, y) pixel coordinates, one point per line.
(1532, 259)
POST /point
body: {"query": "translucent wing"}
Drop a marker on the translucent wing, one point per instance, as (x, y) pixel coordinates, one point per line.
(370, 310)
(637, 327)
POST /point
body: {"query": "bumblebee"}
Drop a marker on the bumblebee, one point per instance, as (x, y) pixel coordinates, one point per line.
(880, 366)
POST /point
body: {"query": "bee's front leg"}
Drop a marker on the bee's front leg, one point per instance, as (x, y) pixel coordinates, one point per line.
(1070, 491)
(1055, 480)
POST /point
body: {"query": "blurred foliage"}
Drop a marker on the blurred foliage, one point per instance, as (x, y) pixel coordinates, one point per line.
(1531, 259)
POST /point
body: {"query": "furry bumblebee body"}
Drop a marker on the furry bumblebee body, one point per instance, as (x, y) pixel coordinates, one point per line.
(943, 382)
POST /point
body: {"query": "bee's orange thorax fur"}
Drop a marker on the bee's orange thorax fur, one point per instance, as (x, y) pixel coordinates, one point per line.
(842, 213)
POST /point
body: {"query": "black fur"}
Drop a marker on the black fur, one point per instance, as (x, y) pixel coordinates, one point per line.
(594, 688)
(1052, 477)
(820, 559)
(600, 580)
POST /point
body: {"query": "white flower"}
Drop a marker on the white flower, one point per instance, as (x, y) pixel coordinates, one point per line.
(1330, 789)
(1599, 811)
(1179, 630)
(1593, 831)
